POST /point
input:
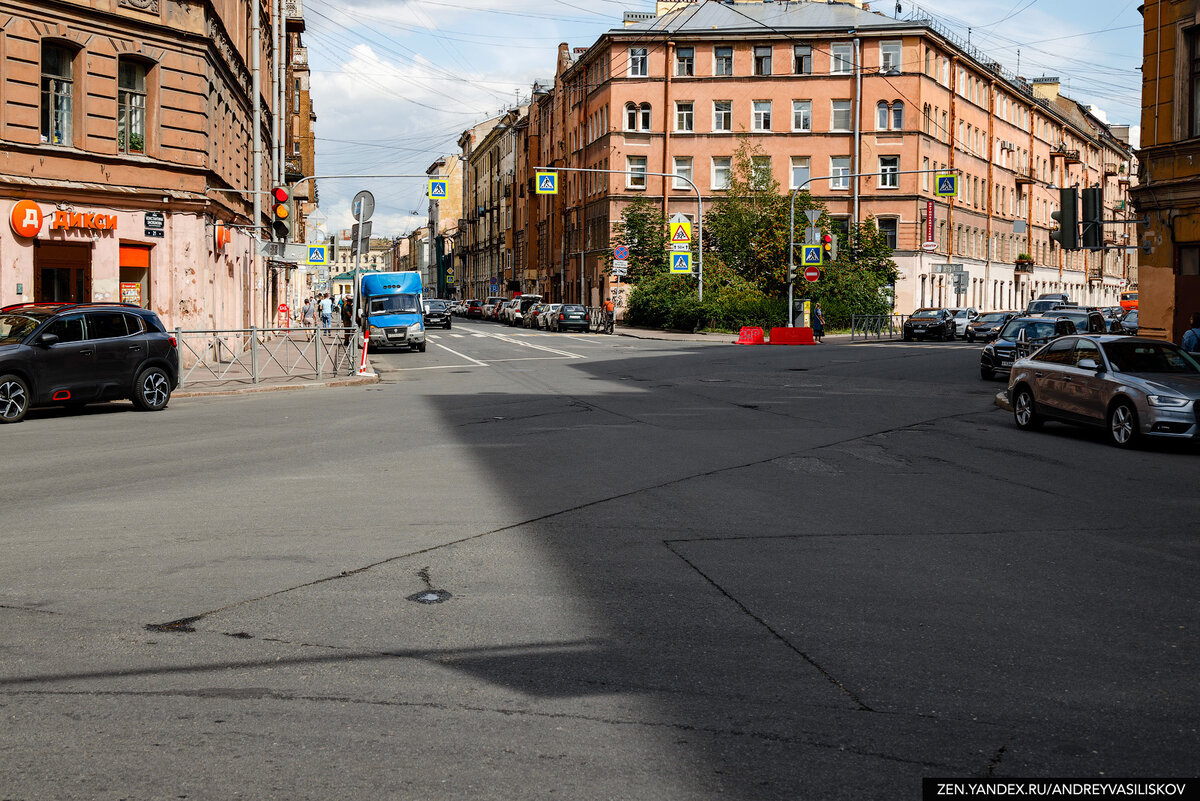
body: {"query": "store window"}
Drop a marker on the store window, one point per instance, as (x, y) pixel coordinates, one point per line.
(131, 106)
(58, 89)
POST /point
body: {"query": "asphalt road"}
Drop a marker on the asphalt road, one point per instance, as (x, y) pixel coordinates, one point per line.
(666, 570)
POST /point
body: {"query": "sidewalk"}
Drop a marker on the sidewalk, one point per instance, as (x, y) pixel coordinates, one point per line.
(245, 387)
(683, 336)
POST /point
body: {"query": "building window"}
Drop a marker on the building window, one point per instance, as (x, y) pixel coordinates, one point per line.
(296, 96)
(800, 171)
(762, 115)
(881, 116)
(57, 91)
(841, 116)
(839, 168)
(722, 115)
(722, 61)
(722, 171)
(631, 117)
(889, 58)
(685, 61)
(683, 169)
(841, 60)
(802, 60)
(762, 61)
(889, 166)
(635, 177)
(131, 106)
(897, 116)
(801, 115)
(295, 148)
(684, 116)
(644, 116)
(889, 117)
(1194, 92)
(889, 227)
(637, 117)
(761, 169)
(639, 66)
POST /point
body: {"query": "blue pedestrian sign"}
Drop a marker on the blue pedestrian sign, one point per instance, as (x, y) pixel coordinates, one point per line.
(317, 255)
(947, 186)
(437, 189)
(547, 183)
(812, 255)
(681, 262)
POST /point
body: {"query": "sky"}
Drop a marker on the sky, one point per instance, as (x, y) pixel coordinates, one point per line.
(396, 82)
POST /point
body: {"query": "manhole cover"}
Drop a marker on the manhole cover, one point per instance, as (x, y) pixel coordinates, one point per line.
(430, 596)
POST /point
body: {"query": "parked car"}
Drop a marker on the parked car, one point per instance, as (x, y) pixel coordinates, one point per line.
(1131, 387)
(1042, 305)
(1111, 315)
(529, 320)
(1127, 324)
(489, 306)
(932, 323)
(474, 310)
(437, 312)
(570, 317)
(516, 314)
(962, 318)
(549, 310)
(1129, 300)
(72, 354)
(987, 325)
(1001, 353)
(505, 313)
(1087, 321)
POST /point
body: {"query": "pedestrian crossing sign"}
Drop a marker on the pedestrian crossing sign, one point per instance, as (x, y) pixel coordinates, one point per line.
(437, 189)
(317, 255)
(681, 262)
(681, 232)
(812, 255)
(547, 183)
(947, 186)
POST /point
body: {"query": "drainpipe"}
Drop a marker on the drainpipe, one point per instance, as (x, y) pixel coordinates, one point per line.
(667, 122)
(857, 121)
(256, 146)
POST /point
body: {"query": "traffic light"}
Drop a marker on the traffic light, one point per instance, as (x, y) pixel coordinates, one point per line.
(1067, 235)
(281, 214)
(828, 248)
(1092, 214)
(791, 273)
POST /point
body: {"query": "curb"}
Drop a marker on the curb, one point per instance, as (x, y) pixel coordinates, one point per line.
(352, 381)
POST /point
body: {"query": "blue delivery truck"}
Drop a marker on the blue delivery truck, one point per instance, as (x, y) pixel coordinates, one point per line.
(392, 309)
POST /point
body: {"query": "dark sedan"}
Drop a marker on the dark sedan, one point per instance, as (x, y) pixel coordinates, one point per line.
(931, 324)
(437, 312)
(1127, 324)
(570, 318)
(988, 326)
(1001, 353)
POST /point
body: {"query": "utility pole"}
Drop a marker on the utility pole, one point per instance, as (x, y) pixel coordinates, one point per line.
(280, 67)
(256, 145)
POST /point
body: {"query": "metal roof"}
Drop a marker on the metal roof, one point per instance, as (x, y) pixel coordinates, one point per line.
(712, 16)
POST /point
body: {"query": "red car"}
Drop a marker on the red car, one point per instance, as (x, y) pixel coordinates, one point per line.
(474, 309)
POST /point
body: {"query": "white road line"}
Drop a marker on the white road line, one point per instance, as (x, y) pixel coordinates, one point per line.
(460, 355)
(458, 336)
(511, 341)
(435, 367)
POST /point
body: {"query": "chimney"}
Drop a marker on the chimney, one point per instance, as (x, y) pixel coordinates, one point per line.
(1045, 88)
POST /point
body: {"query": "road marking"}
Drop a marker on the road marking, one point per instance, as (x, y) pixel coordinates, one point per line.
(460, 355)
(511, 341)
(435, 367)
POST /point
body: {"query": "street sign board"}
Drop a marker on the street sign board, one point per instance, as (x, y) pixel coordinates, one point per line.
(546, 183)
(437, 189)
(811, 274)
(681, 262)
(947, 185)
(621, 252)
(929, 247)
(296, 254)
(363, 205)
(681, 232)
(680, 246)
(317, 255)
(620, 264)
(948, 267)
(619, 272)
(812, 235)
(813, 215)
(812, 255)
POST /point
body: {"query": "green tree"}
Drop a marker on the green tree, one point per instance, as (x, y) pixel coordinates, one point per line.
(643, 229)
(860, 281)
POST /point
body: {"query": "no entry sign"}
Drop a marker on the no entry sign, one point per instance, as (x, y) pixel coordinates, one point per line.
(812, 274)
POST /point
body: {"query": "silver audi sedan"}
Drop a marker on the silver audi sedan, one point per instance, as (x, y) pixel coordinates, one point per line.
(1128, 386)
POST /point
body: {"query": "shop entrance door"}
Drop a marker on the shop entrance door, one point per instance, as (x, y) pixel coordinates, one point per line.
(62, 274)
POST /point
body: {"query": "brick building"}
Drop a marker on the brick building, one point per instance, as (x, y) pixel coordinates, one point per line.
(127, 131)
(826, 91)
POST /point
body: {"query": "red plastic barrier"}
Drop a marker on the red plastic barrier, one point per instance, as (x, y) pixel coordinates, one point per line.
(792, 336)
(751, 336)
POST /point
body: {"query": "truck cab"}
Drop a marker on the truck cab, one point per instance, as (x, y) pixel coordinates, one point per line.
(393, 310)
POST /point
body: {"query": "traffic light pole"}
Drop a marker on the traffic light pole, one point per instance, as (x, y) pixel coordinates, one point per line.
(792, 227)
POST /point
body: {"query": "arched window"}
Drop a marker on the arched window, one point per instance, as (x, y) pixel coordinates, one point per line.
(881, 116)
(897, 116)
(644, 115)
(631, 117)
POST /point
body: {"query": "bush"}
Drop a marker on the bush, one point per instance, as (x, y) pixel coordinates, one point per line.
(671, 302)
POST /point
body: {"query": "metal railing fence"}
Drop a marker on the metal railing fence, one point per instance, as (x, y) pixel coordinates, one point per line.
(250, 355)
(876, 326)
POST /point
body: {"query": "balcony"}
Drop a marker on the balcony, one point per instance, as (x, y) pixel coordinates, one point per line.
(1023, 264)
(1026, 177)
(1071, 156)
(300, 57)
(1110, 168)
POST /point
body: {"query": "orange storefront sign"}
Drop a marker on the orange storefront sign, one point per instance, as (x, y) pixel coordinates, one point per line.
(26, 218)
(76, 219)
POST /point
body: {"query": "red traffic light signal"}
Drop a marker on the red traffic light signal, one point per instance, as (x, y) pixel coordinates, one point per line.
(826, 242)
(281, 212)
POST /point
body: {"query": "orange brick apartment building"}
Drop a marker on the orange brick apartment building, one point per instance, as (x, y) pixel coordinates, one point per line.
(824, 89)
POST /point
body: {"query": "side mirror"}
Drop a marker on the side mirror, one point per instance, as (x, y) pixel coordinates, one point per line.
(46, 340)
(1088, 364)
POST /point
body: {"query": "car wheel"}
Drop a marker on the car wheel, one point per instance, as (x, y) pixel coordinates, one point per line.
(970, 337)
(1024, 409)
(421, 348)
(152, 389)
(987, 373)
(14, 399)
(1123, 424)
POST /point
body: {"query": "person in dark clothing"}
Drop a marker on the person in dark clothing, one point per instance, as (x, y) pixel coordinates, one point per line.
(818, 322)
(1191, 337)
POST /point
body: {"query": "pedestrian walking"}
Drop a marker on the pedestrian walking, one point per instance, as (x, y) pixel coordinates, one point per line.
(609, 316)
(326, 312)
(1191, 337)
(818, 322)
(347, 317)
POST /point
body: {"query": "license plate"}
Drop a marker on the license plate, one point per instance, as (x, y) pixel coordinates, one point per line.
(1006, 363)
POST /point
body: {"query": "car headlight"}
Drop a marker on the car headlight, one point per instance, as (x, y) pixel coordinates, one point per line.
(989, 349)
(417, 327)
(1167, 401)
(376, 331)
